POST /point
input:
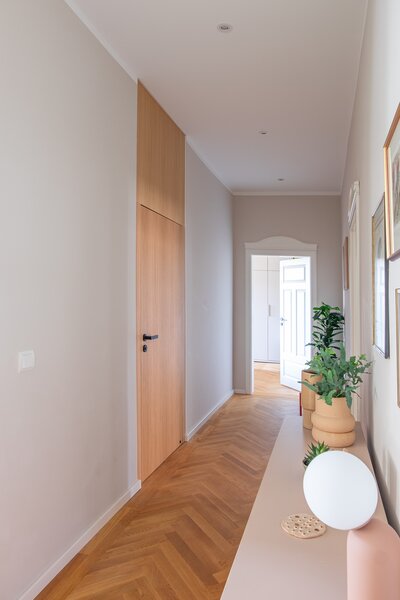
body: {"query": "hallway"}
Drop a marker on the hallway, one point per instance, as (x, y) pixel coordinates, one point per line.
(178, 536)
(266, 379)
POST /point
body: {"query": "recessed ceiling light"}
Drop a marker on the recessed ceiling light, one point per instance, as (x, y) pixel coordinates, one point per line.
(263, 132)
(281, 179)
(224, 27)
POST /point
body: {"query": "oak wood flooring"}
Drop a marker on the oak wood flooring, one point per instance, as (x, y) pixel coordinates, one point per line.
(177, 538)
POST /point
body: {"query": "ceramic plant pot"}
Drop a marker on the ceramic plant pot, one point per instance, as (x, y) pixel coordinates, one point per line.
(333, 424)
(307, 423)
(308, 397)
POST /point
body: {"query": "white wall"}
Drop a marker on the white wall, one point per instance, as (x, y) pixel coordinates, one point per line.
(378, 94)
(208, 292)
(313, 220)
(67, 239)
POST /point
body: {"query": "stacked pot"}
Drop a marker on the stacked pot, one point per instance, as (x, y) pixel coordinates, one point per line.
(333, 424)
(308, 397)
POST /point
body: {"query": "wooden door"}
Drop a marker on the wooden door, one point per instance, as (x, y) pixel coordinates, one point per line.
(161, 310)
(160, 282)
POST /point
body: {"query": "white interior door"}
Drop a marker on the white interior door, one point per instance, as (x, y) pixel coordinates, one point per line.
(295, 304)
(273, 342)
(260, 313)
(265, 308)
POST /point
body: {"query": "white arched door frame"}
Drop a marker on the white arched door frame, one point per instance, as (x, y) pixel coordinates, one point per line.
(272, 246)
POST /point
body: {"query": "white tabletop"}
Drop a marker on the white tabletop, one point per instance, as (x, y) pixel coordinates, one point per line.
(272, 565)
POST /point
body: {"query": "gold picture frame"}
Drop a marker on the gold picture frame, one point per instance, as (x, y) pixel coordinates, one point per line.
(391, 155)
(380, 282)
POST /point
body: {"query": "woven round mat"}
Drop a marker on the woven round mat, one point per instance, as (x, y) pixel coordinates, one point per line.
(303, 526)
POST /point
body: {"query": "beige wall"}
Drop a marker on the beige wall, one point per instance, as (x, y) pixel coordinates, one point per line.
(378, 94)
(208, 292)
(67, 198)
(314, 220)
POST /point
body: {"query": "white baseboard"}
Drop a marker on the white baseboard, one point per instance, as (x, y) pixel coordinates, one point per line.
(63, 560)
(203, 421)
(238, 391)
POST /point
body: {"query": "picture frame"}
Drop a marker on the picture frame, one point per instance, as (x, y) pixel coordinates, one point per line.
(397, 308)
(391, 155)
(380, 282)
(345, 259)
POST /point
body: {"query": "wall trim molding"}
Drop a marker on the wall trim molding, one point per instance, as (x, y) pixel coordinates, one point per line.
(287, 194)
(189, 435)
(86, 536)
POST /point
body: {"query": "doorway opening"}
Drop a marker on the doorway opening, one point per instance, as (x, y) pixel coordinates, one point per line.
(281, 325)
(280, 294)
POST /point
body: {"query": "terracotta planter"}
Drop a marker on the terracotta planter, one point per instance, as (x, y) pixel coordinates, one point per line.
(307, 424)
(308, 397)
(334, 424)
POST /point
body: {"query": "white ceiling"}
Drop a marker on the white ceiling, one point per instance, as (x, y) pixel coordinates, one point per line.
(289, 67)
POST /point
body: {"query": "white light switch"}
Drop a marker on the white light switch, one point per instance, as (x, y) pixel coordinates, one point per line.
(26, 360)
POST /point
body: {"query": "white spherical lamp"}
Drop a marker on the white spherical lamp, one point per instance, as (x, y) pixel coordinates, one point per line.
(340, 490)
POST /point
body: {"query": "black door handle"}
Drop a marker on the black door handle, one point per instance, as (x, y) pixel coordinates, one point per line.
(149, 337)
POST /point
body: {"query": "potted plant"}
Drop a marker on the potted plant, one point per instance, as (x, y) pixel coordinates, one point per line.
(339, 379)
(328, 324)
(313, 451)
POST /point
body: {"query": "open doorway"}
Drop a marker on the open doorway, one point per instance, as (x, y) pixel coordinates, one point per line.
(281, 324)
(280, 292)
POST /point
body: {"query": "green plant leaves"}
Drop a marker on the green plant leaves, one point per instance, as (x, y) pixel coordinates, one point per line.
(340, 377)
(327, 327)
(314, 450)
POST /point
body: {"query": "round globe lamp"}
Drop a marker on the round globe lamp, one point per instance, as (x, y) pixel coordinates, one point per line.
(342, 492)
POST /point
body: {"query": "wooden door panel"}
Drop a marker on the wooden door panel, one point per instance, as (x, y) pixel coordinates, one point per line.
(161, 160)
(161, 310)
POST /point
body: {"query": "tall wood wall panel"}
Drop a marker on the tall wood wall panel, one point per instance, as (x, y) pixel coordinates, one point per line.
(160, 283)
(161, 160)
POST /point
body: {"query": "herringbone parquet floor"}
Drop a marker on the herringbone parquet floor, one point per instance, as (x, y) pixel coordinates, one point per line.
(177, 538)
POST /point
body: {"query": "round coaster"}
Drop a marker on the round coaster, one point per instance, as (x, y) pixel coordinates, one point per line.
(303, 526)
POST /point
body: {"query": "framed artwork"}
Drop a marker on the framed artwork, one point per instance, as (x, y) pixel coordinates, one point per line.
(380, 281)
(346, 283)
(397, 305)
(391, 153)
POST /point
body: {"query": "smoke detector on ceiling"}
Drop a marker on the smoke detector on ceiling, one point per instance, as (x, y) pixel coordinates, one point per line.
(224, 27)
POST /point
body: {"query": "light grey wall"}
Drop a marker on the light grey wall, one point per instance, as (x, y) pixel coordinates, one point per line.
(208, 291)
(313, 220)
(378, 94)
(67, 239)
